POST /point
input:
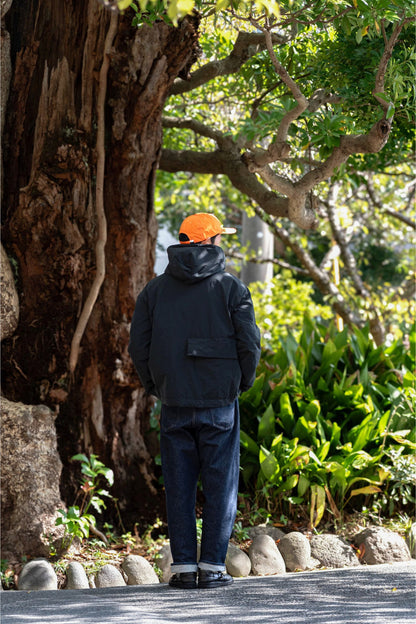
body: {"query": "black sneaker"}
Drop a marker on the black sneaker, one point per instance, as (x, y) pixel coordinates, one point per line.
(208, 579)
(183, 580)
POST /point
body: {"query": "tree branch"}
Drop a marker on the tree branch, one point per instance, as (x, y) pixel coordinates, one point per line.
(301, 101)
(224, 163)
(368, 143)
(372, 142)
(400, 217)
(320, 278)
(300, 204)
(246, 46)
(99, 199)
(393, 213)
(350, 265)
(382, 67)
(278, 148)
(280, 263)
(224, 142)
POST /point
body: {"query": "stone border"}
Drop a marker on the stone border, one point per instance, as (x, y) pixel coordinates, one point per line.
(271, 552)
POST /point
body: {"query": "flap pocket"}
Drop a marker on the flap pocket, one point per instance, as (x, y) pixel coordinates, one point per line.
(224, 348)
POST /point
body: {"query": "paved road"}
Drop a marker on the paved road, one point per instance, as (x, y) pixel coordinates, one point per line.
(367, 595)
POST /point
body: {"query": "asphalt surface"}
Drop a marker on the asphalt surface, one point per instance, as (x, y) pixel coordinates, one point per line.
(382, 594)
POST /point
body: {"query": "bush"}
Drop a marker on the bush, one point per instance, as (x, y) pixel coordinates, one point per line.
(325, 419)
(280, 305)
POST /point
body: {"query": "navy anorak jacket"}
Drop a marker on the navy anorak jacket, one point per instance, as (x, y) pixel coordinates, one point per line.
(194, 340)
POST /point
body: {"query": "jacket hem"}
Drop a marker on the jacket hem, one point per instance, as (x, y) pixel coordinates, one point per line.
(192, 402)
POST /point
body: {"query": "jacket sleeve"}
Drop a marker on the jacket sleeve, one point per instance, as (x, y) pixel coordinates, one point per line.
(247, 336)
(140, 341)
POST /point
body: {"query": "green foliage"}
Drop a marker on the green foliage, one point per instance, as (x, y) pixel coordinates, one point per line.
(6, 575)
(324, 419)
(403, 480)
(77, 521)
(199, 529)
(240, 532)
(149, 10)
(329, 48)
(76, 524)
(280, 305)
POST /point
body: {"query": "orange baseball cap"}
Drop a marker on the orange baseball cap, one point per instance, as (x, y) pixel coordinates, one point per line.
(200, 226)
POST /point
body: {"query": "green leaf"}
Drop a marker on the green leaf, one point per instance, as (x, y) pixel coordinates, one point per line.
(303, 484)
(361, 435)
(97, 503)
(335, 434)
(286, 414)
(81, 457)
(401, 440)
(266, 427)
(383, 96)
(290, 345)
(368, 489)
(313, 410)
(109, 475)
(249, 444)
(73, 512)
(323, 451)
(317, 504)
(305, 429)
(269, 464)
(255, 394)
(289, 484)
(123, 4)
(276, 444)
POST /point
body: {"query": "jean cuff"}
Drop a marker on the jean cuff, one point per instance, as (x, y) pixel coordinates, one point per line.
(211, 567)
(178, 568)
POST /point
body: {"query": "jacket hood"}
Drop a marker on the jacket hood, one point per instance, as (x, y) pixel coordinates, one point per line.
(193, 263)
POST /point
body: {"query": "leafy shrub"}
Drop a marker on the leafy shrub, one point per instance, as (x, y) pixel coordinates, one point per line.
(280, 305)
(324, 419)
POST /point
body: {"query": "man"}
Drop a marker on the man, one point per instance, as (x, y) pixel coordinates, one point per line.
(195, 345)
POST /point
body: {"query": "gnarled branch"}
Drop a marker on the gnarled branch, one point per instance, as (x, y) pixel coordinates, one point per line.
(223, 163)
(245, 171)
(246, 46)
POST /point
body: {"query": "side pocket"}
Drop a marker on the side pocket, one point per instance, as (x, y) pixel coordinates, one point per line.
(220, 348)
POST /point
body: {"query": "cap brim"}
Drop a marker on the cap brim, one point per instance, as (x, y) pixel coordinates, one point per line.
(228, 230)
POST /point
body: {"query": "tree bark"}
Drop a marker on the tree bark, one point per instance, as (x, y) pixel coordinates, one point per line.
(50, 224)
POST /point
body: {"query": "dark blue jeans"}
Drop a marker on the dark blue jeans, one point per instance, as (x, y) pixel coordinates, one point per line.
(201, 442)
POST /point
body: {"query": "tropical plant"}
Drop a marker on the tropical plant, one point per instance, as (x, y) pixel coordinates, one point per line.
(324, 416)
(78, 519)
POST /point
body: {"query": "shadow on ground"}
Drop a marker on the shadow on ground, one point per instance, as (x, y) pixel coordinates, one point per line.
(368, 595)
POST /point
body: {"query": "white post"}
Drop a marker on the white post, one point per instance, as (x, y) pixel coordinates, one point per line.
(261, 241)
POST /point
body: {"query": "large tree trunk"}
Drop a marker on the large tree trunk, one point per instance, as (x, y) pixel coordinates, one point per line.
(49, 224)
